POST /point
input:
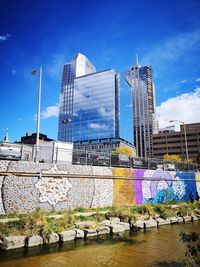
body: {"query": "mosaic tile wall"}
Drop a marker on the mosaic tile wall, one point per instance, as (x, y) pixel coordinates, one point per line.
(118, 186)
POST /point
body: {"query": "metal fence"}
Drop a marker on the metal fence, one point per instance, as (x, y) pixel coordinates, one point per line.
(85, 157)
(115, 160)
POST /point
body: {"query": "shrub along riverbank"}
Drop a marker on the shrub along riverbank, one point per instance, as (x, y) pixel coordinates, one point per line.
(36, 228)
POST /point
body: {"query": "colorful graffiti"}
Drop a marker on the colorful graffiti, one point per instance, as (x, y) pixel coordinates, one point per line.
(160, 186)
(114, 186)
(123, 189)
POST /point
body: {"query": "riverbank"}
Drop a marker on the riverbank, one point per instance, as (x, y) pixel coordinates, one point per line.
(144, 248)
(39, 227)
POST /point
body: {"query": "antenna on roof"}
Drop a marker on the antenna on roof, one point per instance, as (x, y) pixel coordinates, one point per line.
(137, 59)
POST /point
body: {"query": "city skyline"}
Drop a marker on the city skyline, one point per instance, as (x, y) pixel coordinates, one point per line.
(165, 36)
(145, 123)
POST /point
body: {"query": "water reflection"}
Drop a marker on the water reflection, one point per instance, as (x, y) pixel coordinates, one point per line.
(153, 247)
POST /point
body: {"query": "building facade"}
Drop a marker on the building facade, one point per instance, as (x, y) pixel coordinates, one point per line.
(145, 123)
(95, 109)
(30, 138)
(174, 143)
(79, 66)
(104, 145)
(89, 102)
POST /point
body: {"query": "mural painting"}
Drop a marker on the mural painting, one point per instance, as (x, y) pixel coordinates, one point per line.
(198, 182)
(161, 186)
(123, 191)
(137, 186)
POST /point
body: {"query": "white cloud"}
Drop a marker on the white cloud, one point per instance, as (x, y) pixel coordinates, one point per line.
(49, 112)
(197, 79)
(184, 81)
(129, 105)
(97, 126)
(13, 72)
(106, 112)
(184, 107)
(56, 64)
(171, 49)
(4, 37)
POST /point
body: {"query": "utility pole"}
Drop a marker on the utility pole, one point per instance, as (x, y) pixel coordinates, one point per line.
(38, 116)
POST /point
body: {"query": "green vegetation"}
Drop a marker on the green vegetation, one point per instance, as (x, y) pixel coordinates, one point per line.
(124, 150)
(164, 210)
(192, 242)
(45, 223)
(36, 223)
(175, 158)
(124, 213)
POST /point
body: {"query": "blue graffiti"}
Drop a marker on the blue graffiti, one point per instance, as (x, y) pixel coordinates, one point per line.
(177, 190)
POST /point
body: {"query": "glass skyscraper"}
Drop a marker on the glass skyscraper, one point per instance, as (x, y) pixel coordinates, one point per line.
(95, 107)
(79, 66)
(144, 109)
(89, 102)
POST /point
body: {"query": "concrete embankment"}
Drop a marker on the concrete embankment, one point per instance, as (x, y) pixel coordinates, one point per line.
(82, 230)
(26, 186)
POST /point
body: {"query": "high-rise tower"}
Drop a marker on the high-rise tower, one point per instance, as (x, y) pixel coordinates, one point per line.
(79, 66)
(144, 109)
(89, 102)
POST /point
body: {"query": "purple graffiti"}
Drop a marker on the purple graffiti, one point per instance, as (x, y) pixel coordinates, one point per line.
(137, 181)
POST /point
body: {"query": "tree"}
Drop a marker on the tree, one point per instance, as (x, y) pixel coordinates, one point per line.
(175, 158)
(124, 150)
(192, 242)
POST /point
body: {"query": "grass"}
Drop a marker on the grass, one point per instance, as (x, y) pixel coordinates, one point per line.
(39, 222)
(164, 210)
(36, 223)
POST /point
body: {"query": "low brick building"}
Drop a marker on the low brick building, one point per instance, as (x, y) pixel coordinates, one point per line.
(30, 138)
(171, 142)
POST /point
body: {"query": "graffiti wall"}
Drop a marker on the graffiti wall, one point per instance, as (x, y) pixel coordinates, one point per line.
(114, 186)
(157, 186)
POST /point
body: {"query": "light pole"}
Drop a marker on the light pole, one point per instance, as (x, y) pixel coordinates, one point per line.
(184, 128)
(38, 112)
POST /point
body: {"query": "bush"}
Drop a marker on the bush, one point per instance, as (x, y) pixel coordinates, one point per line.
(164, 211)
(98, 217)
(80, 209)
(192, 242)
(146, 209)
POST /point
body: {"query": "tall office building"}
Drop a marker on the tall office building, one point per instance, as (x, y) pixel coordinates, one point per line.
(89, 102)
(79, 66)
(144, 109)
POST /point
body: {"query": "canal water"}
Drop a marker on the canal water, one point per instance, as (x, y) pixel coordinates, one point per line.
(153, 247)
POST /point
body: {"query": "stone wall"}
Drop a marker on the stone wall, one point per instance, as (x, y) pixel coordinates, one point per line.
(25, 194)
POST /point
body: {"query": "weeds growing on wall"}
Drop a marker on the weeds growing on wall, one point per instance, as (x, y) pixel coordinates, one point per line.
(146, 209)
(36, 223)
(98, 217)
(164, 211)
(45, 223)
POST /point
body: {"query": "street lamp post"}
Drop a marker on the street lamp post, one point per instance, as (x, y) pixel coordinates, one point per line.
(38, 116)
(184, 128)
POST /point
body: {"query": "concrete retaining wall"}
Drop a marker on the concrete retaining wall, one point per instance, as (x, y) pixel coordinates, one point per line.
(25, 194)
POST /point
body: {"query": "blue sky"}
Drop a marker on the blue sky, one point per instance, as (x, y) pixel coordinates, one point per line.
(165, 34)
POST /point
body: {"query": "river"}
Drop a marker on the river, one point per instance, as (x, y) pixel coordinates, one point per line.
(152, 247)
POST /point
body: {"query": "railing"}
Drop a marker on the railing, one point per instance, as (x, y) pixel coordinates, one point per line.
(114, 160)
(92, 158)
